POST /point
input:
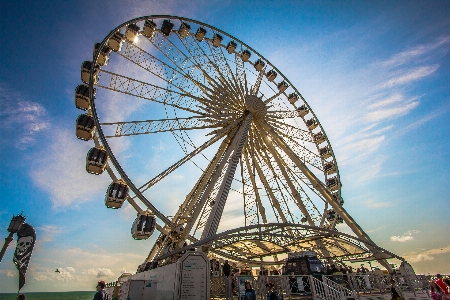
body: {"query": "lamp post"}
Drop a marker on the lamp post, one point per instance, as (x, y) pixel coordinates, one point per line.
(14, 226)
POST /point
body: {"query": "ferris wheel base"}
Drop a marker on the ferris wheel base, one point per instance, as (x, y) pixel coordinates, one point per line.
(188, 278)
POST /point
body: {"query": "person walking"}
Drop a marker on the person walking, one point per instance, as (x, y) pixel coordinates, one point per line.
(394, 294)
(101, 294)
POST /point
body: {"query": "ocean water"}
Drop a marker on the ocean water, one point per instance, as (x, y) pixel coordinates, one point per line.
(52, 296)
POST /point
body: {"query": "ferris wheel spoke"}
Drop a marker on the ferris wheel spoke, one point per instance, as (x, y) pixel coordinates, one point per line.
(240, 74)
(307, 155)
(287, 130)
(185, 79)
(252, 200)
(189, 156)
(286, 114)
(164, 125)
(147, 91)
(203, 60)
(255, 88)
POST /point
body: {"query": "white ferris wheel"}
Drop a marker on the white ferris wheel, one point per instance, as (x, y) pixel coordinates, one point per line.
(212, 146)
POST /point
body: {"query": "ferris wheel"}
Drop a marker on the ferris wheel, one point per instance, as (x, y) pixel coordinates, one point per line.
(212, 145)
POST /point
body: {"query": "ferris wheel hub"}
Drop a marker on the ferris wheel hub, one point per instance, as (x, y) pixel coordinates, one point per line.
(256, 106)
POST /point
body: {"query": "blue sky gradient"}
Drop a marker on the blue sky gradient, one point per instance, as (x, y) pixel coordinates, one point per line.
(376, 74)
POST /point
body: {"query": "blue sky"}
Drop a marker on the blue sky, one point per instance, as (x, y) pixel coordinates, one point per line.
(375, 73)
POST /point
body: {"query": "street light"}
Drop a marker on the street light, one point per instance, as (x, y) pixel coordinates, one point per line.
(14, 226)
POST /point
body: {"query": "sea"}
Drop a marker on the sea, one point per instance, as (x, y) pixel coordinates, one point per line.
(52, 296)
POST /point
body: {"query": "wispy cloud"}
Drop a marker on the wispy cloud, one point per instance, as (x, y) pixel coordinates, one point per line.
(411, 75)
(48, 232)
(21, 118)
(415, 52)
(398, 111)
(407, 236)
(426, 255)
(373, 204)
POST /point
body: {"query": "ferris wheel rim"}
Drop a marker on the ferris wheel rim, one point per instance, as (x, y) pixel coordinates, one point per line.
(103, 138)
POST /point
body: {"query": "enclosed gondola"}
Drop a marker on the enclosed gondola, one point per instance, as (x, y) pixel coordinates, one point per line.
(200, 34)
(149, 28)
(82, 97)
(217, 40)
(143, 226)
(116, 194)
(231, 47)
(85, 127)
(166, 27)
(132, 32)
(86, 71)
(293, 98)
(103, 56)
(183, 31)
(282, 86)
(302, 111)
(311, 123)
(245, 56)
(116, 41)
(259, 64)
(271, 75)
(96, 160)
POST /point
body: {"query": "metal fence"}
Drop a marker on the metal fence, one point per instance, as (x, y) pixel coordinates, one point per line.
(329, 287)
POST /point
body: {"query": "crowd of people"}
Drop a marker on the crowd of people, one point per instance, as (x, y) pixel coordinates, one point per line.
(439, 288)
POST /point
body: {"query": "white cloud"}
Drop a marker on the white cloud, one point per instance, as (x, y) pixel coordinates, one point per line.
(373, 204)
(48, 232)
(100, 272)
(402, 110)
(426, 255)
(407, 236)
(411, 75)
(397, 97)
(421, 257)
(24, 119)
(61, 171)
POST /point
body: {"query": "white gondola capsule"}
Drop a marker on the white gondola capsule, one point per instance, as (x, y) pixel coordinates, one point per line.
(143, 226)
(282, 86)
(217, 40)
(166, 27)
(331, 215)
(259, 64)
(116, 194)
(332, 183)
(86, 67)
(85, 127)
(103, 56)
(329, 168)
(245, 56)
(311, 123)
(116, 41)
(325, 152)
(82, 96)
(132, 32)
(271, 75)
(200, 34)
(231, 47)
(319, 138)
(293, 98)
(149, 28)
(302, 111)
(338, 199)
(96, 160)
(184, 30)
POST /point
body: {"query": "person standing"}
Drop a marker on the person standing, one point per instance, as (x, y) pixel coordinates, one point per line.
(101, 294)
(271, 294)
(226, 269)
(442, 285)
(249, 293)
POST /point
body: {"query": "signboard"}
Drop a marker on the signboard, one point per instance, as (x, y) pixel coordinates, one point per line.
(193, 274)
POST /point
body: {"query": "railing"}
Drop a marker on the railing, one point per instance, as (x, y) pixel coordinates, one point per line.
(324, 291)
(348, 294)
